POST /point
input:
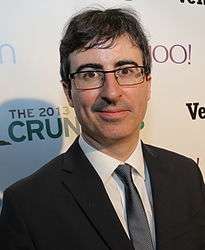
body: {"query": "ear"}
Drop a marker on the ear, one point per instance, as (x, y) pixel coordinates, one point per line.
(67, 91)
(148, 80)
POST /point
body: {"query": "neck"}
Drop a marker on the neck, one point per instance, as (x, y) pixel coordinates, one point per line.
(120, 149)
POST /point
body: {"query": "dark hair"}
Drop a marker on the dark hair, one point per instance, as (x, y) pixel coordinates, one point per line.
(95, 27)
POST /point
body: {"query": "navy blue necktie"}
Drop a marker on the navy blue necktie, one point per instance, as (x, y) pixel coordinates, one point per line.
(138, 226)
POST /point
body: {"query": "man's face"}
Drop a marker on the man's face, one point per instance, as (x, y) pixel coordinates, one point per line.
(112, 112)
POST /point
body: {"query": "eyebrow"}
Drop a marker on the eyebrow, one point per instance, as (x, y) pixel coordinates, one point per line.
(89, 65)
(100, 67)
(125, 62)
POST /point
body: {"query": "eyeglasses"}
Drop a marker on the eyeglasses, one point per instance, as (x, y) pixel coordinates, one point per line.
(93, 79)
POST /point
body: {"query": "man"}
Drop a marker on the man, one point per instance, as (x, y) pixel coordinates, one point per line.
(109, 190)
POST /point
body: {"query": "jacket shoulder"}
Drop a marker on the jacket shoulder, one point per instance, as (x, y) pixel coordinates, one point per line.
(165, 153)
(172, 160)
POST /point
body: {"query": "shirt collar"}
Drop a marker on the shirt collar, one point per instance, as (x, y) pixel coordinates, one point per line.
(105, 165)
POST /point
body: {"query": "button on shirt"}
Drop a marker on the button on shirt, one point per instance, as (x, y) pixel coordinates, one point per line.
(105, 166)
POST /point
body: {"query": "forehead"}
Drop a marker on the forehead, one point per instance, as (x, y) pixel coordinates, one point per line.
(123, 48)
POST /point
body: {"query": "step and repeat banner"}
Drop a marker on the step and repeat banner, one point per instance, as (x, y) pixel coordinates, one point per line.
(36, 123)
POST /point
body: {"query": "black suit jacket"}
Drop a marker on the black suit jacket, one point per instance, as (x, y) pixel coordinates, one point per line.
(64, 206)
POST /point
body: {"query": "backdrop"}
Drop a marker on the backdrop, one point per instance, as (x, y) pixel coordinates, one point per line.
(36, 123)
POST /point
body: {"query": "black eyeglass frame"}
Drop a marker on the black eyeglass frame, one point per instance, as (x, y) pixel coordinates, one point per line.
(71, 76)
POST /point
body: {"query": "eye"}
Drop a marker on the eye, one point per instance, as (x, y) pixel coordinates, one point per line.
(88, 75)
(125, 71)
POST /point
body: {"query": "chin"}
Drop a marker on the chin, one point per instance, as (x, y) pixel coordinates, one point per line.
(115, 136)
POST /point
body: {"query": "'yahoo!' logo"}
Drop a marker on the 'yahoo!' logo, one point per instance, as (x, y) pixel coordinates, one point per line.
(177, 53)
(7, 53)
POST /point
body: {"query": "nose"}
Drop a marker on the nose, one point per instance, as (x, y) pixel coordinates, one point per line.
(111, 90)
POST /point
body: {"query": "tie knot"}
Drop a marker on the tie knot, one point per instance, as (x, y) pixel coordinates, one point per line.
(124, 173)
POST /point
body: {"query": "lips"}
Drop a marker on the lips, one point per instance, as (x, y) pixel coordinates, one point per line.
(113, 114)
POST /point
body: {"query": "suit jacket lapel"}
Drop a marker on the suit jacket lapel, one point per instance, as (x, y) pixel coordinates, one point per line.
(83, 182)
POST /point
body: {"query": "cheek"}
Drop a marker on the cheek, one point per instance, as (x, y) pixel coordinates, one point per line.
(139, 103)
(83, 101)
(139, 97)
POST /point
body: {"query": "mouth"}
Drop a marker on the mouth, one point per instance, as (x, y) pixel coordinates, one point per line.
(113, 114)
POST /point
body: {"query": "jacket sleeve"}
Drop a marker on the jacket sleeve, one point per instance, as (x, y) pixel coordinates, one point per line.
(14, 234)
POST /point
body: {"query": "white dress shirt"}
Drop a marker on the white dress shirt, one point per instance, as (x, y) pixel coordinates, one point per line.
(105, 167)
